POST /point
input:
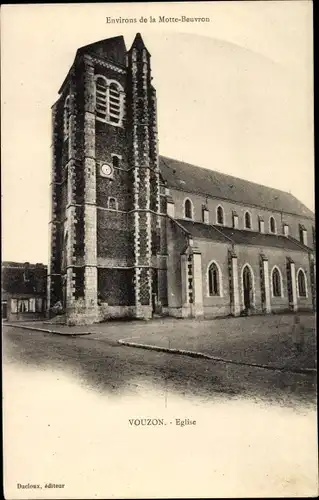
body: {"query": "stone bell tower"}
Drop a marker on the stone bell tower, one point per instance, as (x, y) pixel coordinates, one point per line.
(106, 226)
(145, 175)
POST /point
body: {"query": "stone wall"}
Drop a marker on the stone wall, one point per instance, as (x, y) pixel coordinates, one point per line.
(212, 204)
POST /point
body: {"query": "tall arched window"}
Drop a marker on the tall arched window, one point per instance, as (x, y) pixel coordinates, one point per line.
(108, 100)
(272, 225)
(302, 283)
(220, 215)
(247, 220)
(66, 117)
(276, 283)
(188, 209)
(101, 97)
(114, 103)
(214, 280)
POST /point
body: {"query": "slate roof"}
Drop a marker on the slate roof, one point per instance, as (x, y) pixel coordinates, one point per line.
(190, 178)
(240, 236)
(113, 49)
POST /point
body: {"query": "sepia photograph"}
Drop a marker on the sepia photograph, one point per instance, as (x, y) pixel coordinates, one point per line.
(158, 290)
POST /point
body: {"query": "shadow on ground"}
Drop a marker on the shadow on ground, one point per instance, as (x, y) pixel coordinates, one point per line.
(102, 367)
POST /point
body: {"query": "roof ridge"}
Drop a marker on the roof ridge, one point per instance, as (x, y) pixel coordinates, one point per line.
(185, 176)
(224, 174)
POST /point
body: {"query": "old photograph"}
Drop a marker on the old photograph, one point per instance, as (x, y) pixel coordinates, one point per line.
(159, 251)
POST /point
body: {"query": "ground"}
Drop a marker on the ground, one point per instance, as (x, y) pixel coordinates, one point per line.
(86, 388)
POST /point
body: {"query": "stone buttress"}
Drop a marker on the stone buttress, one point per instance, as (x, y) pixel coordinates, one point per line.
(145, 169)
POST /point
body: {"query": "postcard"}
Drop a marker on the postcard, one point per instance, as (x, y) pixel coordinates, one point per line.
(159, 265)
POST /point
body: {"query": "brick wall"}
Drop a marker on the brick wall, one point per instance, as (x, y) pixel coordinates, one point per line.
(115, 286)
(114, 235)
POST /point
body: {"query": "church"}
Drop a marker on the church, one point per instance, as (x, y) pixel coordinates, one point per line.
(135, 234)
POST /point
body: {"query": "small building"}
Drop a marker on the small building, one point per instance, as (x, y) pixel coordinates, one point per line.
(23, 291)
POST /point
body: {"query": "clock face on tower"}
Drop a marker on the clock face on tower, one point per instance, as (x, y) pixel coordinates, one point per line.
(106, 170)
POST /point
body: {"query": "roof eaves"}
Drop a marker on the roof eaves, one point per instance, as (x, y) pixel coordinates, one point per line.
(240, 202)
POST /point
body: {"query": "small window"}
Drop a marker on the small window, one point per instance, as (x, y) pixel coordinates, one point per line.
(23, 305)
(276, 283)
(188, 209)
(213, 280)
(220, 215)
(302, 285)
(112, 203)
(247, 220)
(272, 225)
(116, 161)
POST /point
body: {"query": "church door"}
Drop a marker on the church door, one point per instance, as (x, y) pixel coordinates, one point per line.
(247, 282)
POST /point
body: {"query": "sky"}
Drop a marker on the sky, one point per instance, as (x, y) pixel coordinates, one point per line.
(235, 95)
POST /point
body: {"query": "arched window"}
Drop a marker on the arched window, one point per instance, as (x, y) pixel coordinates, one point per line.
(220, 215)
(112, 203)
(101, 97)
(188, 209)
(248, 286)
(108, 100)
(247, 220)
(272, 225)
(114, 103)
(214, 280)
(302, 283)
(66, 117)
(276, 282)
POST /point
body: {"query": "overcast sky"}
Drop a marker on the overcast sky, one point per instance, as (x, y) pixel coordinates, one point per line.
(234, 95)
